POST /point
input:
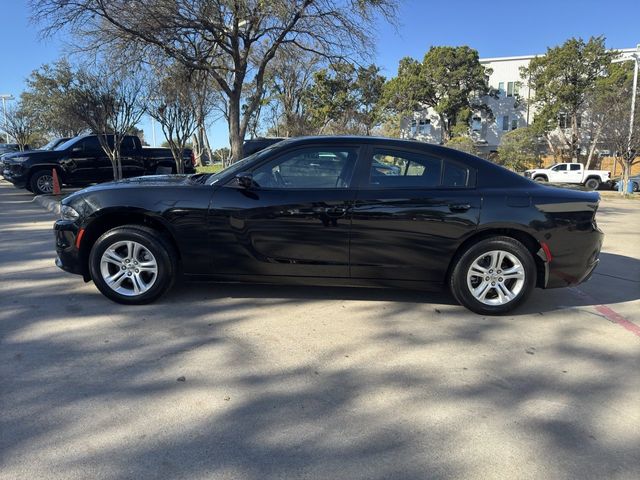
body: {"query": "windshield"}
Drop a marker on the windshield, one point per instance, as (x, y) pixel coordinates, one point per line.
(240, 165)
(67, 144)
(50, 145)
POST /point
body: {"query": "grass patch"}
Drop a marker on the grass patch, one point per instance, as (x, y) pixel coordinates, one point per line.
(215, 168)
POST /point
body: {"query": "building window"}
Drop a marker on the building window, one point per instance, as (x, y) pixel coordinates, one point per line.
(425, 127)
(501, 87)
(563, 120)
(514, 124)
(505, 123)
(510, 89)
(476, 124)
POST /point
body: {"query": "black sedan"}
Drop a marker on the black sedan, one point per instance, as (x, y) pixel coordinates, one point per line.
(322, 211)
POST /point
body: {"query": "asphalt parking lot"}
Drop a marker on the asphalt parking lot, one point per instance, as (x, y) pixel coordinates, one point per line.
(259, 382)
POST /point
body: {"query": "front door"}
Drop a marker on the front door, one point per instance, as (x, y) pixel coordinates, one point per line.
(294, 221)
(410, 215)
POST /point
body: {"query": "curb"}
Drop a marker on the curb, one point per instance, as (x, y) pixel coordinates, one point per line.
(49, 202)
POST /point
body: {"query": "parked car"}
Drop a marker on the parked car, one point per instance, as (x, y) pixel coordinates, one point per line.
(574, 173)
(317, 210)
(635, 183)
(81, 161)
(249, 147)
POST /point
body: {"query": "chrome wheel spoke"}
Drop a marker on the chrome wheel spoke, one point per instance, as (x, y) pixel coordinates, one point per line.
(128, 260)
(496, 277)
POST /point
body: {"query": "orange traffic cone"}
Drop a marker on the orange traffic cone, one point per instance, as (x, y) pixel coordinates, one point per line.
(56, 183)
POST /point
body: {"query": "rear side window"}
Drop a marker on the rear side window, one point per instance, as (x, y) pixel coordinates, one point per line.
(391, 169)
(455, 175)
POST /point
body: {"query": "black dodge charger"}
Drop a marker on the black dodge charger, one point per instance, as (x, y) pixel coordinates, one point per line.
(335, 211)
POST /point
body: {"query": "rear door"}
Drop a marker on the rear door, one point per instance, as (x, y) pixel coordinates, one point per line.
(574, 173)
(411, 212)
(294, 222)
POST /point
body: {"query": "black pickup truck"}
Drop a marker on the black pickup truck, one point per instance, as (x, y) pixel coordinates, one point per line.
(81, 161)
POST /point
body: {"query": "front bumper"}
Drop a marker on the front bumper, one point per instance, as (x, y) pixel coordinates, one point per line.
(14, 173)
(69, 257)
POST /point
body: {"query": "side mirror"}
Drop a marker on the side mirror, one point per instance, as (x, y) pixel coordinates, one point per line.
(245, 180)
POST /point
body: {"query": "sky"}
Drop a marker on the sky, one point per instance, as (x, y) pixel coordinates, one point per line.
(495, 28)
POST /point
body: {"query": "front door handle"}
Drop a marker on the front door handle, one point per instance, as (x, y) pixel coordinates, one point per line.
(459, 207)
(335, 211)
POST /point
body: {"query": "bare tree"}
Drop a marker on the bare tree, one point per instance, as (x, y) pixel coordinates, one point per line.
(20, 125)
(110, 101)
(233, 41)
(177, 106)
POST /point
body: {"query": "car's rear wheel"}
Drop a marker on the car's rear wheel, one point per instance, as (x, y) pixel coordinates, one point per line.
(41, 182)
(493, 276)
(592, 184)
(132, 264)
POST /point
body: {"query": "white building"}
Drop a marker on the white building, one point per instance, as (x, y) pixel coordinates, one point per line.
(509, 113)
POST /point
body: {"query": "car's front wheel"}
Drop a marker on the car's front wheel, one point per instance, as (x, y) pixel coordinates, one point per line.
(41, 182)
(493, 276)
(132, 264)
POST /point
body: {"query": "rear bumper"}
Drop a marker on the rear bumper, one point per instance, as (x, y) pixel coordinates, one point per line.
(575, 259)
(69, 257)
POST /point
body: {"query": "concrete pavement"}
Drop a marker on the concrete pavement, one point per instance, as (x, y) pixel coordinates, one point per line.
(256, 382)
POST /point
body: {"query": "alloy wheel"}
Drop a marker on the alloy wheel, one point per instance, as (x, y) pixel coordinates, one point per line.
(128, 268)
(496, 277)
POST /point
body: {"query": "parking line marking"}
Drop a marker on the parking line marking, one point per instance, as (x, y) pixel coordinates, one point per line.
(609, 313)
(615, 317)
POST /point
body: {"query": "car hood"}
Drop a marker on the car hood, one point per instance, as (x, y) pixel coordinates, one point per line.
(150, 181)
(33, 155)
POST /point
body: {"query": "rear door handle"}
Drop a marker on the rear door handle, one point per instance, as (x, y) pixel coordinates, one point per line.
(459, 207)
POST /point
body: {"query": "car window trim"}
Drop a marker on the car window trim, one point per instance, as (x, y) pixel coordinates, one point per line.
(367, 161)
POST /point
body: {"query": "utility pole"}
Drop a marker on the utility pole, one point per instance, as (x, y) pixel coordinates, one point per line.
(636, 57)
(4, 98)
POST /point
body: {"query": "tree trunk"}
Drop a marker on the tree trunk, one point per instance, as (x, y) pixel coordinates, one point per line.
(592, 149)
(575, 139)
(236, 136)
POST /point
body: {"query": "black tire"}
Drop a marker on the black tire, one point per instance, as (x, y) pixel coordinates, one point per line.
(163, 254)
(540, 179)
(462, 291)
(635, 188)
(592, 184)
(41, 182)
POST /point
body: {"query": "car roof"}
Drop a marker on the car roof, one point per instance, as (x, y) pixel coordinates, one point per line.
(493, 175)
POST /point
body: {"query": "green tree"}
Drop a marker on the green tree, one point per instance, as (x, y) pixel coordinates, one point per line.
(450, 80)
(519, 150)
(49, 100)
(463, 143)
(563, 80)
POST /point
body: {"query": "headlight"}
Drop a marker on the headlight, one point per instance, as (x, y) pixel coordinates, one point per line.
(68, 213)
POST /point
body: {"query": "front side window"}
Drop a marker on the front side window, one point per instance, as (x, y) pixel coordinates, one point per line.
(390, 168)
(560, 168)
(309, 168)
(90, 144)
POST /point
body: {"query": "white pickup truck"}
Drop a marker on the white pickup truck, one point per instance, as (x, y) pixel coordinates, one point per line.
(569, 173)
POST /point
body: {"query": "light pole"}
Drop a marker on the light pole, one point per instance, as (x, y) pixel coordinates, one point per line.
(636, 58)
(4, 98)
(153, 131)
